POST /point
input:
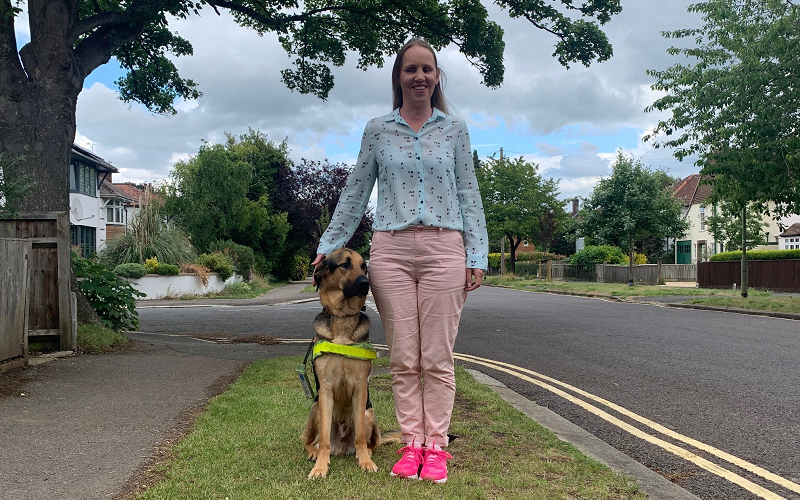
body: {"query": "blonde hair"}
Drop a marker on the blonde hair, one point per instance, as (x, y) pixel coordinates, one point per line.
(437, 99)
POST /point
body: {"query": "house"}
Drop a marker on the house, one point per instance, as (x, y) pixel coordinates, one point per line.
(790, 239)
(97, 208)
(698, 244)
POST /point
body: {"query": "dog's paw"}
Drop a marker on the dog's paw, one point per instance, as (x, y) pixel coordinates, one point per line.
(312, 455)
(367, 465)
(318, 471)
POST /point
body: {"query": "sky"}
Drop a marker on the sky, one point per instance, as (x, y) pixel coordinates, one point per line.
(569, 122)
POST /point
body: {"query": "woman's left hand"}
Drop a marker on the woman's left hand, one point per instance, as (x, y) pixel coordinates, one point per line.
(474, 278)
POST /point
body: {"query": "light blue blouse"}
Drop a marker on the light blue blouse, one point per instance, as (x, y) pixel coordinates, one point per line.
(424, 178)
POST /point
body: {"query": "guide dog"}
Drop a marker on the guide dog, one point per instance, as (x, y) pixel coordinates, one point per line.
(341, 420)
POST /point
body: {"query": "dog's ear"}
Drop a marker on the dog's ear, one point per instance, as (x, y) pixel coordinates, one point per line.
(321, 272)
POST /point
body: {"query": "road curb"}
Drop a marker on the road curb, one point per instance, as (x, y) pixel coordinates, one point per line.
(654, 485)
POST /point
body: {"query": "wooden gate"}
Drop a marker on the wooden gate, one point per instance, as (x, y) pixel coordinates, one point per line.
(14, 282)
(50, 315)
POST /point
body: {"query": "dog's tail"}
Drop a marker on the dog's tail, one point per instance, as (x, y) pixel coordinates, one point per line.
(390, 437)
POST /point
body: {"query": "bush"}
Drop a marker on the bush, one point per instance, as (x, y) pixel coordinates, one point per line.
(242, 256)
(112, 297)
(238, 288)
(494, 258)
(638, 258)
(130, 270)
(168, 270)
(151, 265)
(217, 263)
(198, 270)
(148, 236)
(599, 254)
(757, 255)
(300, 267)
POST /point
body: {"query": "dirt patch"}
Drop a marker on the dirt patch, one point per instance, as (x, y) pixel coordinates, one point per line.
(230, 338)
(152, 470)
(12, 380)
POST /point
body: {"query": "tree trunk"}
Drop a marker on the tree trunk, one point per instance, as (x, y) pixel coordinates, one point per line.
(630, 262)
(513, 260)
(86, 313)
(744, 251)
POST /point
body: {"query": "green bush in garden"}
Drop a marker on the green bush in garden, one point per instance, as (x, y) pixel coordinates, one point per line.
(167, 269)
(599, 254)
(300, 267)
(218, 263)
(757, 255)
(112, 297)
(130, 270)
(243, 256)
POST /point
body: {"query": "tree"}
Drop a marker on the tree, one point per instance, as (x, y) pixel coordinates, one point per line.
(217, 195)
(40, 83)
(630, 205)
(725, 223)
(736, 106)
(308, 193)
(518, 203)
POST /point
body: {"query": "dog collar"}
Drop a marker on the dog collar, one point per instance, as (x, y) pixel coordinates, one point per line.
(363, 350)
(326, 311)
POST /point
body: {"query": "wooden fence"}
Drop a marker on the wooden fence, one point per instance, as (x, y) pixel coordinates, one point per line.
(775, 275)
(14, 282)
(608, 273)
(50, 315)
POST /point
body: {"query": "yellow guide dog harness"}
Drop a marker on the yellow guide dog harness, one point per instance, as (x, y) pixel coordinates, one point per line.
(362, 350)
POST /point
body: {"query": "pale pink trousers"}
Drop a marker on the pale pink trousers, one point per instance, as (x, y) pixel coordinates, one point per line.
(417, 276)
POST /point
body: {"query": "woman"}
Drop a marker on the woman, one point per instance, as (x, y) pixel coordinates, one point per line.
(429, 249)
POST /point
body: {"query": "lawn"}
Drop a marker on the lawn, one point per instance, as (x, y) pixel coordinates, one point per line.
(246, 445)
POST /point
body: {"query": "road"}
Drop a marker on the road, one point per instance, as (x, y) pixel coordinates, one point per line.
(689, 386)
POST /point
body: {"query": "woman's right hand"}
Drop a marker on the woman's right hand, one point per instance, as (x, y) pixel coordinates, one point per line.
(316, 264)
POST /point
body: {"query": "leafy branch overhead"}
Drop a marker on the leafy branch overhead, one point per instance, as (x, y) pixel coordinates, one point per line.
(317, 34)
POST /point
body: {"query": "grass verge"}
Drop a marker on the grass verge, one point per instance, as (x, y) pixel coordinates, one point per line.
(95, 339)
(758, 300)
(246, 445)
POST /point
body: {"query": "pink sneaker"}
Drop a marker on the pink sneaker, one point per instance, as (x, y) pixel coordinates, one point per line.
(434, 467)
(408, 465)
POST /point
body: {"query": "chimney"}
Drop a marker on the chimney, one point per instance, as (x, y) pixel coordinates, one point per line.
(575, 206)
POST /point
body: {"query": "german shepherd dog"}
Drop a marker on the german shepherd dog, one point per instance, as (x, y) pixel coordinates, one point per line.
(340, 421)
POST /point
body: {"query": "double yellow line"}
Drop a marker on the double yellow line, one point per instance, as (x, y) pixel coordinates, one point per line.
(550, 384)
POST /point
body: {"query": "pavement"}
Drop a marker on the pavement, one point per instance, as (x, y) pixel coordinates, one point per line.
(92, 426)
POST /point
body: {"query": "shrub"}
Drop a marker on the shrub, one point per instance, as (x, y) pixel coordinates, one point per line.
(757, 255)
(599, 254)
(242, 256)
(217, 263)
(112, 297)
(130, 270)
(151, 264)
(148, 236)
(638, 258)
(198, 270)
(167, 269)
(300, 267)
(494, 258)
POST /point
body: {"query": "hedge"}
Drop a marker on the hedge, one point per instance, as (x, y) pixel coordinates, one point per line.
(218, 263)
(757, 255)
(494, 258)
(131, 270)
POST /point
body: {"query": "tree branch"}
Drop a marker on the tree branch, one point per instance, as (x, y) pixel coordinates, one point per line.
(11, 70)
(105, 19)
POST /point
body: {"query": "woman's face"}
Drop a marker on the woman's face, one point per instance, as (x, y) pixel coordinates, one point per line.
(418, 76)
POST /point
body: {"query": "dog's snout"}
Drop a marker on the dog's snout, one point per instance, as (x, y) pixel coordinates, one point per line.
(359, 287)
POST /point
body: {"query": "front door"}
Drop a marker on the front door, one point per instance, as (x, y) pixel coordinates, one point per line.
(684, 252)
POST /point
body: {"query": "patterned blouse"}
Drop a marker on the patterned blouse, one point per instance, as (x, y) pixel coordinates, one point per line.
(424, 178)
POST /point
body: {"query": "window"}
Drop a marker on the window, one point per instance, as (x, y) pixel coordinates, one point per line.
(115, 212)
(702, 218)
(84, 238)
(83, 179)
